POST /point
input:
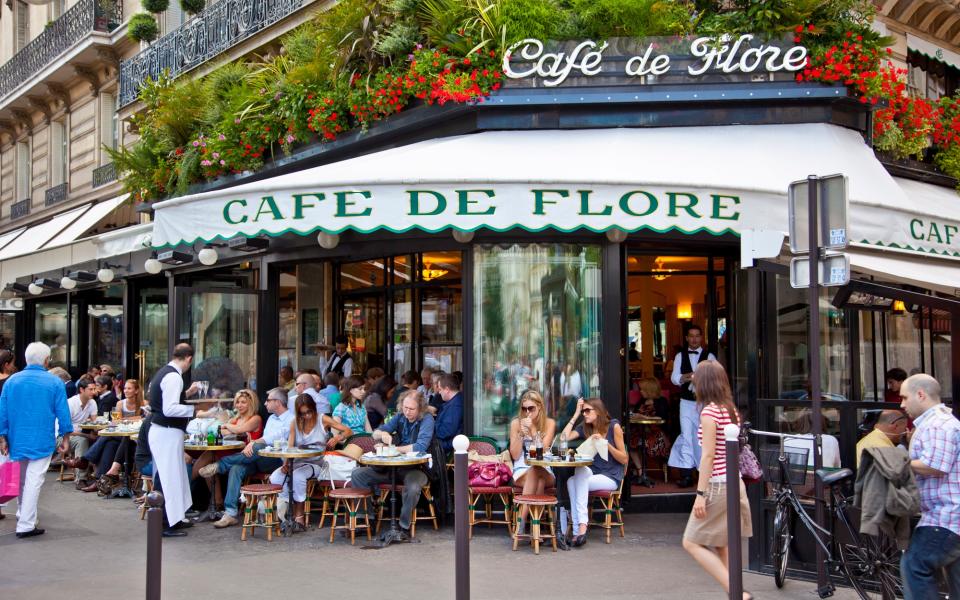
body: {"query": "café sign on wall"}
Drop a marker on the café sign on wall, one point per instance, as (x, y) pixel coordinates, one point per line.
(700, 56)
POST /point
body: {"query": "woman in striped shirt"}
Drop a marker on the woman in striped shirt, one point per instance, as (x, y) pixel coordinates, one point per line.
(705, 537)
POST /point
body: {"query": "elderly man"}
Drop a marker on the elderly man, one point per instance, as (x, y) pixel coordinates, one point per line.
(934, 447)
(249, 462)
(31, 404)
(887, 433)
(306, 384)
(412, 430)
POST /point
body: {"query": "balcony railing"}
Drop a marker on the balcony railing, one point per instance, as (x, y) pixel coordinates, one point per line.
(20, 209)
(104, 175)
(85, 17)
(55, 195)
(219, 27)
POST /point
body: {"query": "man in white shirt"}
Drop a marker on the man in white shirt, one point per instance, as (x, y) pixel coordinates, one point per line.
(341, 362)
(306, 384)
(83, 408)
(249, 462)
(685, 454)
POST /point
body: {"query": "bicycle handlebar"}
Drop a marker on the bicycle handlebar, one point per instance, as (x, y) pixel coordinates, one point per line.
(783, 436)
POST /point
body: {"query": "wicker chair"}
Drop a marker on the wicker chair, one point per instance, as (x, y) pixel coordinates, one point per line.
(537, 506)
(610, 506)
(485, 446)
(352, 500)
(266, 493)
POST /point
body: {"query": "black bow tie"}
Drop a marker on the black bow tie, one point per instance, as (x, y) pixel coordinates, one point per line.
(693, 352)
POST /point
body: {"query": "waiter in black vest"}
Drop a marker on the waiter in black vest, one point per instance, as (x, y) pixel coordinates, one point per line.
(685, 454)
(171, 414)
(341, 362)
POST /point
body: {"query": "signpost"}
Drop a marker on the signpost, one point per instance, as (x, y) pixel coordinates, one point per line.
(815, 228)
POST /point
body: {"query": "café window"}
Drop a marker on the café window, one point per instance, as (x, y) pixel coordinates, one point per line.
(930, 78)
(50, 325)
(536, 326)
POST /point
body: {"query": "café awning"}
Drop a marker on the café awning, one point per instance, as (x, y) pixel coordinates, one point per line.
(718, 180)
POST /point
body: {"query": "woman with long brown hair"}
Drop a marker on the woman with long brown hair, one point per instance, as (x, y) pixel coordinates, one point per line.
(705, 537)
(604, 473)
(531, 420)
(132, 404)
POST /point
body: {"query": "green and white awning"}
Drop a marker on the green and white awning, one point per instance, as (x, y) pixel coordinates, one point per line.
(718, 180)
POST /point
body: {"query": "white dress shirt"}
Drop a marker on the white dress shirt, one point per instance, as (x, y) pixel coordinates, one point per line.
(694, 361)
(277, 427)
(171, 386)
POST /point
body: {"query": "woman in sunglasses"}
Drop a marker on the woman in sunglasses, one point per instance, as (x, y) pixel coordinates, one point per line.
(604, 473)
(532, 420)
(308, 430)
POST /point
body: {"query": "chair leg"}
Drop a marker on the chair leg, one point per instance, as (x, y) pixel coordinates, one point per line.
(428, 494)
(246, 522)
(413, 524)
(366, 518)
(354, 506)
(608, 517)
(553, 528)
(471, 512)
(382, 501)
(535, 513)
(333, 520)
(269, 514)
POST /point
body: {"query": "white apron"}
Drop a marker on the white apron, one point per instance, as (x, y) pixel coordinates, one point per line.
(166, 446)
(685, 453)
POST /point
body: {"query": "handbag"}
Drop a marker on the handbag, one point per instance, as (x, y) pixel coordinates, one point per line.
(750, 469)
(9, 479)
(488, 475)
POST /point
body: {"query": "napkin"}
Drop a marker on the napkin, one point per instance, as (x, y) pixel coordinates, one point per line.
(591, 447)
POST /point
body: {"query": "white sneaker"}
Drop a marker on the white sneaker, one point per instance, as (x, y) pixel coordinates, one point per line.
(209, 470)
(226, 521)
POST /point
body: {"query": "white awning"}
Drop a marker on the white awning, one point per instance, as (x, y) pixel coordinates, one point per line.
(937, 274)
(38, 235)
(932, 50)
(719, 180)
(86, 222)
(121, 241)
(9, 236)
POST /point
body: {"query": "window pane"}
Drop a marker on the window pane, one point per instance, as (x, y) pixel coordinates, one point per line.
(537, 325)
(441, 320)
(287, 305)
(404, 269)
(363, 324)
(105, 326)
(154, 309)
(445, 358)
(941, 352)
(441, 266)
(403, 349)
(871, 357)
(8, 331)
(222, 328)
(364, 274)
(51, 328)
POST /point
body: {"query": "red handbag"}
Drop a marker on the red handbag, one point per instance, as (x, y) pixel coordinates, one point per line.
(488, 474)
(9, 480)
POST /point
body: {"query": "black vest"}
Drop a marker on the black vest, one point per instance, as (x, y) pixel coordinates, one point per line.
(687, 367)
(156, 400)
(337, 365)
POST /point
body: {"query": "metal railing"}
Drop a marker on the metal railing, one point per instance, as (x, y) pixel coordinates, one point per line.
(219, 27)
(85, 17)
(20, 209)
(55, 195)
(104, 175)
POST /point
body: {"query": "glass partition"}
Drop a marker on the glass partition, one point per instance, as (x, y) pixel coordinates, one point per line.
(105, 327)
(51, 329)
(8, 331)
(536, 325)
(153, 308)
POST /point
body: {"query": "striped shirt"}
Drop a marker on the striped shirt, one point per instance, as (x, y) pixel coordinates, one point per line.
(719, 416)
(936, 442)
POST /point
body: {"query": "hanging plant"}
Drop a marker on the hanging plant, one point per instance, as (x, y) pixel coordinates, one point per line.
(155, 6)
(192, 6)
(143, 28)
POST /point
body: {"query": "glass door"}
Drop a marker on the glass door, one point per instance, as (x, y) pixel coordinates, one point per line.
(222, 328)
(153, 309)
(362, 321)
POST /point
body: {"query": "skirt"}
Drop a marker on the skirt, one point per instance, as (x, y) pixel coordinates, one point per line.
(712, 529)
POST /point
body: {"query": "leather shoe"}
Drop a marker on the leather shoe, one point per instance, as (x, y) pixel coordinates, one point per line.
(32, 533)
(76, 463)
(173, 533)
(92, 487)
(182, 525)
(579, 540)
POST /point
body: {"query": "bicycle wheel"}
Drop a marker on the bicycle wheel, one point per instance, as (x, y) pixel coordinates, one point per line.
(873, 567)
(781, 543)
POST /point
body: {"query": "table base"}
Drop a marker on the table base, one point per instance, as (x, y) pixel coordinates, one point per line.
(121, 492)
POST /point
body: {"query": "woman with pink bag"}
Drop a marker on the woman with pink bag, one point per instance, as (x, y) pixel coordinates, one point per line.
(531, 421)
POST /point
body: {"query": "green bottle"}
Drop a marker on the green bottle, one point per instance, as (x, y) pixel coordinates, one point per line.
(211, 437)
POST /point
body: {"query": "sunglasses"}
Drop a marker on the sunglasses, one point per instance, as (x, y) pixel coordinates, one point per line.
(528, 408)
(587, 411)
(306, 412)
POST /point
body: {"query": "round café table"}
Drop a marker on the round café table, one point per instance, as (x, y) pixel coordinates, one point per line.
(94, 426)
(124, 490)
(227, 445)
(290, 455)
(393, 463)
(643, 421)
(562, 472)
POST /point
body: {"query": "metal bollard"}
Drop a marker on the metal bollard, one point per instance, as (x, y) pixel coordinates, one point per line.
(731, 434)
(461, 518)
(154, 542)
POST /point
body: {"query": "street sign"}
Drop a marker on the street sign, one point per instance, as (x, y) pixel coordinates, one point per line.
(834, 271)
(832, 212)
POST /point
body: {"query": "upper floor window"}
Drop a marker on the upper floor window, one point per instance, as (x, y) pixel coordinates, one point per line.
(929, 77)
(57, 8)
(24, 171)
(109, 126)
(22, 15)
(59, 160)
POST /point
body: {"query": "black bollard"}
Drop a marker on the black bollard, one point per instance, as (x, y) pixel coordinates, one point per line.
(461, 518)
(154, 540)
(734, 543)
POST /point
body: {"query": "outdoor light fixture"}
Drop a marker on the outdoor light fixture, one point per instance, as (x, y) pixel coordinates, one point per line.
(247, 244)
(105, 275)
(328, 241)
(208, 256)
(616, 235)
(67, 283)
(152, 265)
(429, 274)
(173, 257)
(898, 307)
(82, 276)
(20, 288)
(463, 237)
(35, 289)
(48, 283)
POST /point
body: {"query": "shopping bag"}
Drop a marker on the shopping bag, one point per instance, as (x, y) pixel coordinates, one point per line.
(9, 479)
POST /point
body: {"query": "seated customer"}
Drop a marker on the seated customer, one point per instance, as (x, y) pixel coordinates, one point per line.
(411, 430)
(241, 465)
(308, 430)
(376, 399)
(450, 416)
(130, 407)
(888, 432)
(532, 420)
(350, 410)
(801, 439)
(83, 408)
(652, 404)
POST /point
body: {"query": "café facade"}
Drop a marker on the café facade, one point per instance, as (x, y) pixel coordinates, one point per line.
(561, 235)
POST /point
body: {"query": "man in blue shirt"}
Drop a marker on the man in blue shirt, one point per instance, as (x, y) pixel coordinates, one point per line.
(31, 404)
(412, 431)
(450, 417)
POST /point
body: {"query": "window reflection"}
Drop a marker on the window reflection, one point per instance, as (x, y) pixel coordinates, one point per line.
(222, 328)
(51, 329)
(537, 325)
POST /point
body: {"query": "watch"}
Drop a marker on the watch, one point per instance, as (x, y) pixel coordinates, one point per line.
(702, 493)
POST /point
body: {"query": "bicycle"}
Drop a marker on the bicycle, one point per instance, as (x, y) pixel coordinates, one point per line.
(870, 564)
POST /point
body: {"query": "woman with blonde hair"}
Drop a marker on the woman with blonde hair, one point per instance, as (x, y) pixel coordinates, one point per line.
(705, 537)
(604, 473)
(531, 420)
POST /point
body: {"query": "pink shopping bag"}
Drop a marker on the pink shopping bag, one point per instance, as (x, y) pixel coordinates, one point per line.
(9, 481)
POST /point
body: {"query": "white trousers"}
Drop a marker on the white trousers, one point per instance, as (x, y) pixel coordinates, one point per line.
(301, 473)
(685, 453)
(579, 486)
(32, 474)
(166, 446)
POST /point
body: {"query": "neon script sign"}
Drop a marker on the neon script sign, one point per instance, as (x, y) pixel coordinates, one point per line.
(721, 55)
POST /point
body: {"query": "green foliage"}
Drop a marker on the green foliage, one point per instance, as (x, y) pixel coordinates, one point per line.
(155, 6)
(192, 6)
(948, 161)
(142, 28)
(601, 19)
(541, 19)
(399, 39)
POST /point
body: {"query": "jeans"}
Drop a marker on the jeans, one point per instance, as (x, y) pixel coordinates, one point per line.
(413, 480)
(102, 453)
(931, 549)
(239, 467)
(147, 469)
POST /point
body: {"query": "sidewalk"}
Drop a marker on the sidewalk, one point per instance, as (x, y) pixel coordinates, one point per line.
(96, 548)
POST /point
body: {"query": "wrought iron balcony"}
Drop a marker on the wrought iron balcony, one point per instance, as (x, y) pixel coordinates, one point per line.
(20, 209)
(219, 27)
(55, 195)
(104, 175)
(83, 18)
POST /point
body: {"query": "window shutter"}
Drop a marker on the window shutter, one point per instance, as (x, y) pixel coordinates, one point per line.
(23, 25)
(108, 110)
(24, 171)
(173, 17)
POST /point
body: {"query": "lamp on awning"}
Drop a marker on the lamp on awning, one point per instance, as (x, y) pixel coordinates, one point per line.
(248, 244)
(174, 257)
(82, 276)
(48, 283)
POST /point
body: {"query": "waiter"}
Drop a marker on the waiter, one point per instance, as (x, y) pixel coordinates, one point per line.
(685, 454)
(341, 362)
(171, 414)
